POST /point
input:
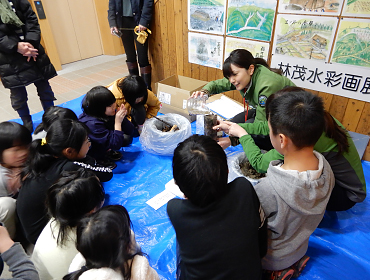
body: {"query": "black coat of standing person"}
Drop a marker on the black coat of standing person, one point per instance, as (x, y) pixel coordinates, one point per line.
(23, 60)
(123, 16)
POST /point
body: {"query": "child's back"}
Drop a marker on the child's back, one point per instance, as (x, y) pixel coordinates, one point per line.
(217, 227)
(294, 206)
(296, 191)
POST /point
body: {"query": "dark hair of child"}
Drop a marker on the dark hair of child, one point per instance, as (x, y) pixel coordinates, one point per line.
(200, 169)
(52, 114)
(104, 240)
(96, 101)
(61, 134)
(13, 134)
(331, 128)
(133, 87)
(243, 59)
(75, 194)
(299, 115)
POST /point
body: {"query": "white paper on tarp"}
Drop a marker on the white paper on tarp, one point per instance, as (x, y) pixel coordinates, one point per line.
(160, 199)
(173, 188)
(225, 107)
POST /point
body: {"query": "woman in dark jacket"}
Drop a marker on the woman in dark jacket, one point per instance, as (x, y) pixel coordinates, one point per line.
(23, 60)
(123, 16)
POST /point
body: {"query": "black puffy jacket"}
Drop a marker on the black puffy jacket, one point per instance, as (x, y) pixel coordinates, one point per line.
(15, 71)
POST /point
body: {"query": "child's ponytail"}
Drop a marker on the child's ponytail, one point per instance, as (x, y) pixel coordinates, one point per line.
(61, 134)
(336, 132)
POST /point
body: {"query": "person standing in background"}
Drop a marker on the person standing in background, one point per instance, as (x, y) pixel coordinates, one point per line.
(23, 60)
(123, 16)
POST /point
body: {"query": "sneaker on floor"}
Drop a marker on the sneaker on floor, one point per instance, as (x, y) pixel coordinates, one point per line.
(113, 155)
(299, 266)
(284, 274)
(107, 163)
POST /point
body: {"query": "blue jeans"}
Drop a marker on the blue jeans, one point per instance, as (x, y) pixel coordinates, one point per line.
(18, 97)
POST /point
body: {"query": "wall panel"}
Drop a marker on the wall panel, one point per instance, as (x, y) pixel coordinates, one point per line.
(173, 41)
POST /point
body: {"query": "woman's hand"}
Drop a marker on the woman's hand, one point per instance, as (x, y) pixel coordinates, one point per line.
(224, 142)
(236, 130)
(223, 126)
(141, 28)
(196, 94)
(233, 129)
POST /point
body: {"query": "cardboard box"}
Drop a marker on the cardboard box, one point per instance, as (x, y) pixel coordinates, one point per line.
(174, 91)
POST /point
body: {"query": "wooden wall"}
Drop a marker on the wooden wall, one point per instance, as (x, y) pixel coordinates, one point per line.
(169, 56)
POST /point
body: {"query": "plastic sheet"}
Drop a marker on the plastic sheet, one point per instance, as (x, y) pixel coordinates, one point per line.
(155, 141)
(339, 247)
(233, 162)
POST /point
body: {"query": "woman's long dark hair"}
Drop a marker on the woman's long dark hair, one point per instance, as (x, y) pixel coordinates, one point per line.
(62, 134)
(104, 240)
(331, 128)
(71, 197)
(243, 59)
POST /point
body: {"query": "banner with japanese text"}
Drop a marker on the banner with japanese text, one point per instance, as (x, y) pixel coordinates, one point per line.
(348, 81)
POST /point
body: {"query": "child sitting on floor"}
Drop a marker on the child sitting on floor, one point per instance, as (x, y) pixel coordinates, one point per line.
(63, 149)
(109, 130)
(218, 226)
(14, 147)
(75, 195)
(140, 102)
(296, 190)
(108, 249)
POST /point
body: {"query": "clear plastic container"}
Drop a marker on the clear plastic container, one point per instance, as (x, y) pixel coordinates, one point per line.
(197, 106)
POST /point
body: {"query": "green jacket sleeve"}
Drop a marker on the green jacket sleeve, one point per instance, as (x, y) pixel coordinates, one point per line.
(259, 161)
(219, 86)
(258, 128)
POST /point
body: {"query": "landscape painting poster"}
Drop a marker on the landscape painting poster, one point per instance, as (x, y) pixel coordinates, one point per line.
(352, 45)
(308, 37)
(207, 16)
(256, 48)
(251, 19)
(315, 7)
(357, 8)
(206, 50)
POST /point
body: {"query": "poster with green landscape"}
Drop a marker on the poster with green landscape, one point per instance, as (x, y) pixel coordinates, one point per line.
(207, 16)
(304, 36)
(251, 19)
(352, 45)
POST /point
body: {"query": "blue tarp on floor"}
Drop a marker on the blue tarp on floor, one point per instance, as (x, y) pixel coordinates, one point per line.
(339, 248)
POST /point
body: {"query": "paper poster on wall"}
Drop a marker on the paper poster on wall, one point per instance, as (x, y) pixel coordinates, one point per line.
(352, 45)
(350, 81)
(206, 50)
(251, 19)
(356, 8)
(207, 16)
(257, 49)
(309, 37)
(316, 7)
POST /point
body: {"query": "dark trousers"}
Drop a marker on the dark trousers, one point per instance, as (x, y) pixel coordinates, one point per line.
(129, 41)
(262, 141)
(18, 97)
(339, 200)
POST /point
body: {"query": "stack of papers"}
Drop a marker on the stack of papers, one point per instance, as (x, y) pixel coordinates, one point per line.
(225, 107)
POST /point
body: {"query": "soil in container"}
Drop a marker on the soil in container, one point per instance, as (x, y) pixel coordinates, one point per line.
(248, 171)
(209, 122)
